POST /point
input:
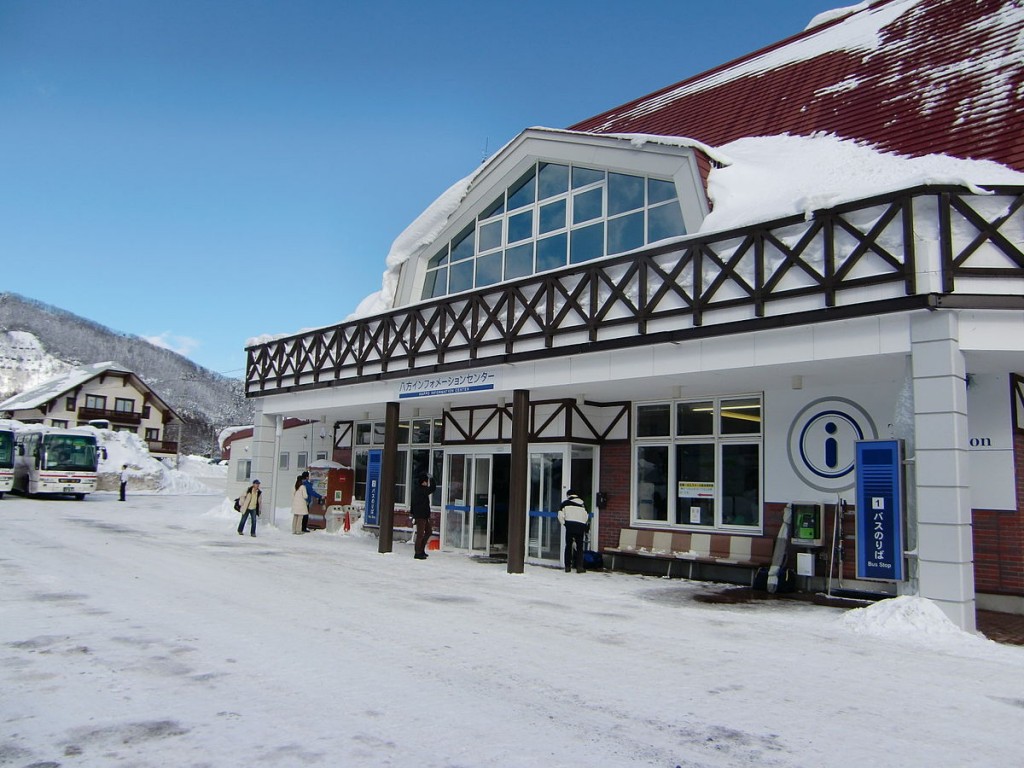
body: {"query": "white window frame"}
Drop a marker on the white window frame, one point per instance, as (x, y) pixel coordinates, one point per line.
(719, 440)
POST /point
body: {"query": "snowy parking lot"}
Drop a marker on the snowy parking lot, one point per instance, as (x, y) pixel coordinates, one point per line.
(148, 633)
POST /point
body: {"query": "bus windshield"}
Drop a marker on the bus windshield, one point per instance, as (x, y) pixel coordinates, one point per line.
(69, 452)
(6, 450)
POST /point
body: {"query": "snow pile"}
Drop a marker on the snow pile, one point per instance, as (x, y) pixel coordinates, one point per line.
(147, 474)
(905, 618)
(769, 177)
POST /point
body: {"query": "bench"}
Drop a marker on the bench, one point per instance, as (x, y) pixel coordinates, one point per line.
(686, 554)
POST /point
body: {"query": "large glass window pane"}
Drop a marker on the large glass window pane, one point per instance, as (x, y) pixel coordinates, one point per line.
(587, 243)
(653, 420)
(587, 205)
(694, 419)
(523, 192)
(660, 191)
(490, 235)
(401, 477)
(626, 233)
(552, 216)
(583, 176)
(652, 482)
(441, 257)
(741, 416)
(359, 491)
(421, 431)
(519, 261)
(498, 206)
(436, 283)
(551, 252)
(488, 269)
(695, 474)
(520, 226)
(462, 245)
(553, 180)
(363, 433)
(664, 221)
(625, 193)
(461, 277)
(741, 487)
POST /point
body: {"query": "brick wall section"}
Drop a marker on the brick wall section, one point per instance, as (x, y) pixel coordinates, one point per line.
(999, 539)
(616, 467)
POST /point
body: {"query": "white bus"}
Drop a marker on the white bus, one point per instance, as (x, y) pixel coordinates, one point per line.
(6, 460)
(60, 461)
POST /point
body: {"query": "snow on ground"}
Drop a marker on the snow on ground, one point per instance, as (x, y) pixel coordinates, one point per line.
(148, 633)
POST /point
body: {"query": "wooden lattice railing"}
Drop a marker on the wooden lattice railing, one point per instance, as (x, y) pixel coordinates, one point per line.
(863, 257)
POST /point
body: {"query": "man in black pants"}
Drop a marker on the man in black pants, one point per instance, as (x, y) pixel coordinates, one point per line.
(574, 516)
(419, 509)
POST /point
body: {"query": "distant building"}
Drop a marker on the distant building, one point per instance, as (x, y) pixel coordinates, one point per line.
(105, 395)
(300, 443)
(562, 320)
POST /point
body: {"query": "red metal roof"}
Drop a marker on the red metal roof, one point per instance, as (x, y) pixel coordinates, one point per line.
(914, 77)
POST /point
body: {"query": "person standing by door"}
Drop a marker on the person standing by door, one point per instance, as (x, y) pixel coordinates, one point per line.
(124, 480)
(419, 509)
(250, 506)
(574, 516)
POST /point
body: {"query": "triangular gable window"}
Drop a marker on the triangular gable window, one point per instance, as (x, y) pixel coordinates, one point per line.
(543, 222)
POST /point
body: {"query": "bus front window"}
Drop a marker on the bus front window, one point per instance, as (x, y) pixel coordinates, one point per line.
(69, 453)
(6, 450)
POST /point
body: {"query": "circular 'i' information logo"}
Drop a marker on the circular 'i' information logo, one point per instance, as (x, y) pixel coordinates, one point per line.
(822, 442)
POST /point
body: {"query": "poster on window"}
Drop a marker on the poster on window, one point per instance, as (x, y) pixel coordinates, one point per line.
(689, 489)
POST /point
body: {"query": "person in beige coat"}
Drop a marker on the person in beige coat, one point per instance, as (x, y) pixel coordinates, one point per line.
(300, 502)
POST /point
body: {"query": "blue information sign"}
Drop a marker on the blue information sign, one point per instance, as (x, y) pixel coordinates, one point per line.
(880, 510)
(371, 516)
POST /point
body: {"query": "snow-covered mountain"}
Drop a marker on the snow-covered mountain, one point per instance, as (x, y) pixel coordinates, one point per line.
(39, 341)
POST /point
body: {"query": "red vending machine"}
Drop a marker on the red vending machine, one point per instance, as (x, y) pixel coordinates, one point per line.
(335, 482)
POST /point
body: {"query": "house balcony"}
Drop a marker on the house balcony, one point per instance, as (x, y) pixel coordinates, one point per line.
(926, 247)
(114, 417)
(162, 446)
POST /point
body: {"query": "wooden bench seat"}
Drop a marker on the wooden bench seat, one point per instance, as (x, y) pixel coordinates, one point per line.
(687, 551)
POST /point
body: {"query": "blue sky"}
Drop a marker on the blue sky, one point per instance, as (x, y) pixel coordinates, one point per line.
(207, 171)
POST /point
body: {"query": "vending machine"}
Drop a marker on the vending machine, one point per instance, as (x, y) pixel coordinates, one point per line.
(335, 482)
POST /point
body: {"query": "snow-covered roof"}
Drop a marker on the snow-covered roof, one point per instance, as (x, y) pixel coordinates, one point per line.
(908, 76)
(73, 379)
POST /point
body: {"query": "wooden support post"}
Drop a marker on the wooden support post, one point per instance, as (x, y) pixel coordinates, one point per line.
(388, 462)
(520, 477)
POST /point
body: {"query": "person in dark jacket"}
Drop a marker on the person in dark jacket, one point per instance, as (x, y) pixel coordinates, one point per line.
(419, 509)
(250, 506)
(574, 516)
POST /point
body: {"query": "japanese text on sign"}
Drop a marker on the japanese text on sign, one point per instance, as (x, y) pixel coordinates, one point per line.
(448, 384)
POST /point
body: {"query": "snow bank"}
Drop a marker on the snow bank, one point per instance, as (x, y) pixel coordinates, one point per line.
(147, 474)
(906, 618)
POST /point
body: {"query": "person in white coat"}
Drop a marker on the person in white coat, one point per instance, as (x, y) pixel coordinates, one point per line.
(300, 501)
(574, 516)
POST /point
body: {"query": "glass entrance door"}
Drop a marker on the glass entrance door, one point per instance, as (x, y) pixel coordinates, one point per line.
(476, 503)
(553, 472)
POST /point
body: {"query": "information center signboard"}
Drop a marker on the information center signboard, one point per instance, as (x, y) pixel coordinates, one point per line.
(880, 510)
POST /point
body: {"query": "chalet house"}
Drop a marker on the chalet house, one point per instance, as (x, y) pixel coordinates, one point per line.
(840, 382)
(104, 394)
